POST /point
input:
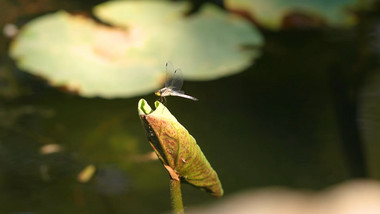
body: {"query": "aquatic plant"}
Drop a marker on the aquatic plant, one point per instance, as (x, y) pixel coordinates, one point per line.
(123, 59)
(178, 152)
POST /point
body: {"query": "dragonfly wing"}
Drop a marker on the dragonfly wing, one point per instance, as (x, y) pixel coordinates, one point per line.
(174, 78)
(169, 74)
(177, 80)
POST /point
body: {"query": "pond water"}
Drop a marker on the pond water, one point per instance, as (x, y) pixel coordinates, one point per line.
(304, 115)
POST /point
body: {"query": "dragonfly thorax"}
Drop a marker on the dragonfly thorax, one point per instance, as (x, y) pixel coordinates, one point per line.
(163, 92)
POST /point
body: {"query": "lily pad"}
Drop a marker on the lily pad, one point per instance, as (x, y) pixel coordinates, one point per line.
(128, 60)
(92, 59)
(271, 12)
(205, 46)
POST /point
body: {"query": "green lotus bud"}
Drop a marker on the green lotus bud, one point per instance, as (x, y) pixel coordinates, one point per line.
(177, 149)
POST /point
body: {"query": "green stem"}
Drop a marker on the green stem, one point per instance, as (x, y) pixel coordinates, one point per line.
(176, 196)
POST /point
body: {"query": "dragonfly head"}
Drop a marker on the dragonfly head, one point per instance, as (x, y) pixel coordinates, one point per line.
(158, 92)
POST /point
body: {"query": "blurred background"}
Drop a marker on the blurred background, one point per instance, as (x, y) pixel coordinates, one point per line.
(288, 109)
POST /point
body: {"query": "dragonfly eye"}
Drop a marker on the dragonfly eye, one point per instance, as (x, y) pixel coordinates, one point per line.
(158, 92)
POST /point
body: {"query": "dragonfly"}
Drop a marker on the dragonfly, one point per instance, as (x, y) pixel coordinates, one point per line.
(173, 84)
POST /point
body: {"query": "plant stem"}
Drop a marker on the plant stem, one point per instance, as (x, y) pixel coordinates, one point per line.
(176, 196)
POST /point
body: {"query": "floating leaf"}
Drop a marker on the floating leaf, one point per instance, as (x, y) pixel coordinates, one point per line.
(177, 149)
(271, 12)
(206, 45)
(96, 60)
(88, 58)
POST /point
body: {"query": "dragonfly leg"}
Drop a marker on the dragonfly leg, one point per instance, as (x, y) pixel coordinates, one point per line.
(163, 100)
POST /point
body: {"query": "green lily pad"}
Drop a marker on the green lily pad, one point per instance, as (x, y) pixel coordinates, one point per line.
(205, 46)
(128, 60)
(88, 58)
(271, 12)
(177, 149)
